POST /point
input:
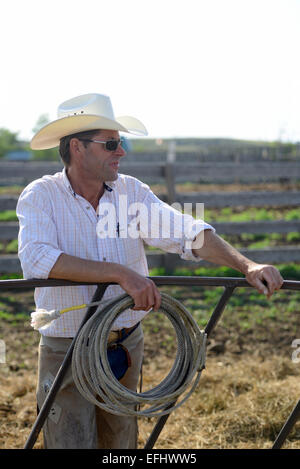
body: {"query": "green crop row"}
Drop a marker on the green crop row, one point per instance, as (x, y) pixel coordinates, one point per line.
(8, 215)
(288, 272)
(249, 241)
(245, 310)
(233, 214)
(227, 214)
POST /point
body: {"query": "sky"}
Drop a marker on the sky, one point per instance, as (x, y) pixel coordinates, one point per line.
(193, 68)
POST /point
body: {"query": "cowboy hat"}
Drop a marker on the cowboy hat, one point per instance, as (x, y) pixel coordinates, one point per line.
(86, 112)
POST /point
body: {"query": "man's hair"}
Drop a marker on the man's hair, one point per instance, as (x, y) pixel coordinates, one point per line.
(64, 145)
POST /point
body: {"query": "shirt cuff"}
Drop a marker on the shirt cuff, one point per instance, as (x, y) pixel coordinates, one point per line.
(197, 227)
(44, 265)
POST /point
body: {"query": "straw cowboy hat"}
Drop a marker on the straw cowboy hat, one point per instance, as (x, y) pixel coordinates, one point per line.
(86, 112)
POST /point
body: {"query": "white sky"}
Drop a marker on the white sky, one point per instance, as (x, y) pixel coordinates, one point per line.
(193, 68)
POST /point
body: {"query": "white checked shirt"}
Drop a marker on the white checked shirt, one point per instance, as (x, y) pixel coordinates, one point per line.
(54, 220)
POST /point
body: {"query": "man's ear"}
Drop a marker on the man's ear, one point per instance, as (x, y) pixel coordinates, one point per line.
(75, 146)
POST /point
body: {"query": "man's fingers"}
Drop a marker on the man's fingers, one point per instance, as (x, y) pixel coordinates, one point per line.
(142, 290)
(266, 280)
(273, 280)
(154, 297)
(147, 298)
(260, 286)
(157, 297)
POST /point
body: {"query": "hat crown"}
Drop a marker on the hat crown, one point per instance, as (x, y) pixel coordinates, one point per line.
(82, 113)
(92, 104)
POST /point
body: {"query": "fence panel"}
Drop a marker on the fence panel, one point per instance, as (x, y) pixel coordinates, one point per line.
(218, 172)
(229, 172)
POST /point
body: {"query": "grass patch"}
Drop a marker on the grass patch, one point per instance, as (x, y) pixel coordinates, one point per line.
(288, 272)
(8, 215)
(10, 276)
(246, 309)
(226, 214)
(11, 190)
(235, 214)
(11, 247)
(13, 319)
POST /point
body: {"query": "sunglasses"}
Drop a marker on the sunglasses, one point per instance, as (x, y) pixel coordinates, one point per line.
(110, 145)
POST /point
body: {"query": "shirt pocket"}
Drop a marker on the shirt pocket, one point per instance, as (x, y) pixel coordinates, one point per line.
(130, 245)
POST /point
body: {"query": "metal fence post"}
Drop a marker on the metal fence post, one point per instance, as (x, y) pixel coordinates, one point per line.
(286, 429)
(208, 329)
(44, 411)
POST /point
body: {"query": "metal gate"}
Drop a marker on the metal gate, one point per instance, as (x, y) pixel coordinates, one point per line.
(229, 284)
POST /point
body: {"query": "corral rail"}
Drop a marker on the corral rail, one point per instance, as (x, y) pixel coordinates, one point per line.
(170, 173)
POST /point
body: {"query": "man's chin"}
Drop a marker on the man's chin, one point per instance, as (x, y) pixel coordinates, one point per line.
(113, 177)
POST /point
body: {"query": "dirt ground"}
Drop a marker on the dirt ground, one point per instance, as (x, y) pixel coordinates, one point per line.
(245, 394)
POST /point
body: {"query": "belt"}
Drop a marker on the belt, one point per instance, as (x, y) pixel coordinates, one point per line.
(115, 336)
(121, 334)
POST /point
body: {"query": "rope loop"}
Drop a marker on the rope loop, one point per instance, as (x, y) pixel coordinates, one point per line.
(96, 382)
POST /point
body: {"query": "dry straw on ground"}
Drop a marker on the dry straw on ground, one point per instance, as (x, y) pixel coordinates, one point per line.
(239, 403)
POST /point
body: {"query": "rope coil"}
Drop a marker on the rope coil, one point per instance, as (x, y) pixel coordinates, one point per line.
(96, 382)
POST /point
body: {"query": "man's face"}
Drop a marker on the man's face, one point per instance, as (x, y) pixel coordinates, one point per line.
(100, 163)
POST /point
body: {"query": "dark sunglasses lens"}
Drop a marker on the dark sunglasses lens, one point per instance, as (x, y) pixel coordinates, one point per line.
(112, 145)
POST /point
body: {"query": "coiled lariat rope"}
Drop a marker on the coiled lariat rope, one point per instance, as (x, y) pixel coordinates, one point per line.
(94, 377)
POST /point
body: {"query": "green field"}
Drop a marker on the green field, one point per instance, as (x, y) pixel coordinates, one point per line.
(246, 307)
(244, 240)
(201, 301)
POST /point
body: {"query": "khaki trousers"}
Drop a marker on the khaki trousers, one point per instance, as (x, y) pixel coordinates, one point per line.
(75, 423)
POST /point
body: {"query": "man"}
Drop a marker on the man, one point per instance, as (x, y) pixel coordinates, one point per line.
(62, 236)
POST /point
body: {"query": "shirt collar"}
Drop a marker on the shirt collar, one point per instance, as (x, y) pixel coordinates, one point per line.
(67, 183)
(111, 184)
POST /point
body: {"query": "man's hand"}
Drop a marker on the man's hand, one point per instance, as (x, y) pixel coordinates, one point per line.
(142, 290)
(265, 278)
(218, 251)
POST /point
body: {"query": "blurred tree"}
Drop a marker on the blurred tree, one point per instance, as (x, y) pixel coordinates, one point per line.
(42, 120)
(45, 155)
(8, 141)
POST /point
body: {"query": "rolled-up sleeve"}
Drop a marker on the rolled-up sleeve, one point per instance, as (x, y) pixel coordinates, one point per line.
(169, 229)
(37, 240)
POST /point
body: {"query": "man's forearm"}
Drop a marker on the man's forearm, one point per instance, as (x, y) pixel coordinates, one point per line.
(73, 268)
(218, 251)
(143, 291)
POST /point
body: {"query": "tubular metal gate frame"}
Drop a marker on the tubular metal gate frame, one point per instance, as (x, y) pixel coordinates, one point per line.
(229, 284)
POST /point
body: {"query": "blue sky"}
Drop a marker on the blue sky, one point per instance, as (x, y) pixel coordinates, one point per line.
(197, 68)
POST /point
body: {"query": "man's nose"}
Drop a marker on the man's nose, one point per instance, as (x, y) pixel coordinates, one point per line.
(120, 151)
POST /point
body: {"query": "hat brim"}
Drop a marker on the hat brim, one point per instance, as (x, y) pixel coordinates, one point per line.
(49, 136)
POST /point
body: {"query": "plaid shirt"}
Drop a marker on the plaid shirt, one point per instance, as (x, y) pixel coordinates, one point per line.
(54, 220)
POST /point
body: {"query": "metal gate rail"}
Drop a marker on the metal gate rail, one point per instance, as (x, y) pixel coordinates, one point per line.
(229, 284)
